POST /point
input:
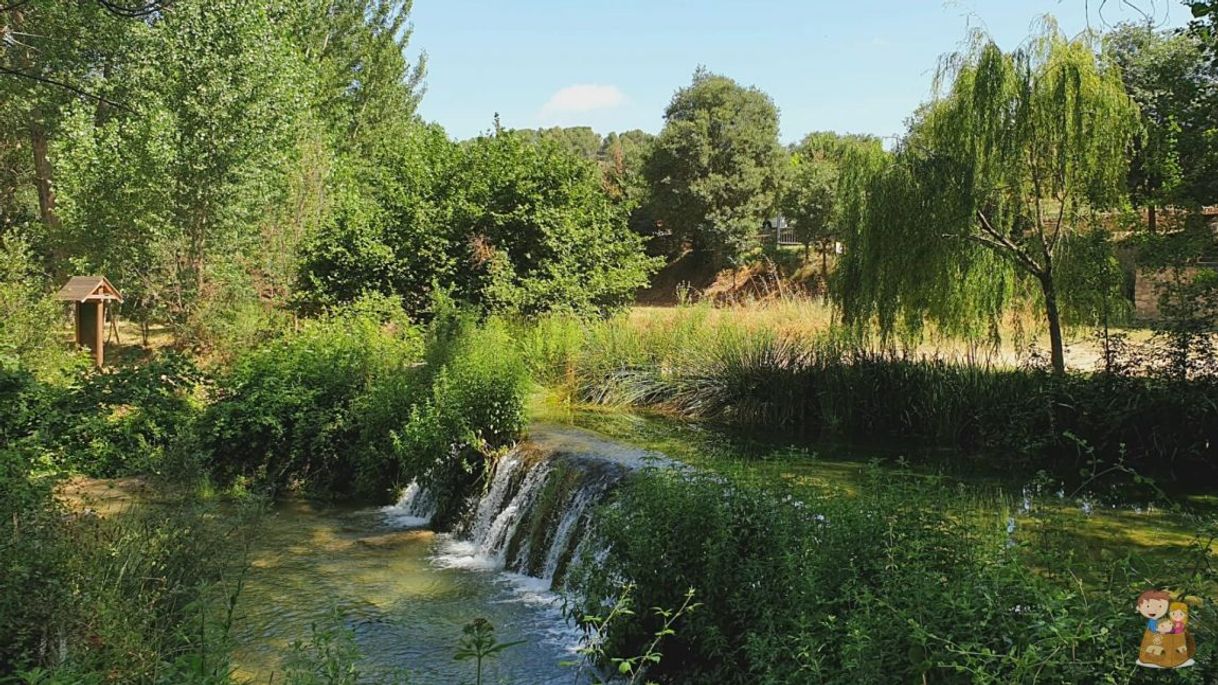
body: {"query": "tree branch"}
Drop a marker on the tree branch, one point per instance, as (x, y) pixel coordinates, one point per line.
(60, 84)
(137, 11)
(1000, 242)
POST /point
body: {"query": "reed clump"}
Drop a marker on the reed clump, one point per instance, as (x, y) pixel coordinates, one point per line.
(700, 364)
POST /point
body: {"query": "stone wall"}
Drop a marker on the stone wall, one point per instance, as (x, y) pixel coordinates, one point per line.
(1148, 285)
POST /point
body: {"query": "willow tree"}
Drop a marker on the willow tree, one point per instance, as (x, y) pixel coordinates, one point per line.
(1011, 162)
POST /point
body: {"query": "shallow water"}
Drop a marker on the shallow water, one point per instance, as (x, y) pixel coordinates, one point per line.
(405, 593)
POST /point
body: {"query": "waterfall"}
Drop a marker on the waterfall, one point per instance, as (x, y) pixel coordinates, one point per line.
(533, 515)
(413, 510)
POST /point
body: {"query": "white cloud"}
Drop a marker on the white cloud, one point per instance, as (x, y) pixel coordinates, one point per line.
(582, 98)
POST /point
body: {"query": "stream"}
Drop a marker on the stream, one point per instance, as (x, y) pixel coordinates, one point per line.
(405, 592)
(393, 589)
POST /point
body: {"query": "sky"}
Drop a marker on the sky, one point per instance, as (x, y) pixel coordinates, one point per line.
(852, 66)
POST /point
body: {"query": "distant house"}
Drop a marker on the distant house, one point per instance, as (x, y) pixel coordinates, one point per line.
(779, 230)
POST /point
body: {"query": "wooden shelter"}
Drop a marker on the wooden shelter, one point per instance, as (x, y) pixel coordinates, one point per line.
(90, 295)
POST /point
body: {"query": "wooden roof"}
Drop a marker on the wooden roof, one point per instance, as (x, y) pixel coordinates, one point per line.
(88, 289)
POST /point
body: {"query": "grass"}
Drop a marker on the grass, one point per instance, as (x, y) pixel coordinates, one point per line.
(809, 318)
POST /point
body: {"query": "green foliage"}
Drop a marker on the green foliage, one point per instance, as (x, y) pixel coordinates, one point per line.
(143, 596)
(35, 579)
(478, 642)
(172, 194)
(581, 140)
(1168, 76)
(361, 402)
(903, 582)
(388, 233)
(361, 85)
(244, 119)
(597, 629)
(287, 414)
(31, 324)
(508, 225)
(995, 175)
(813, 197)
(832, 389)
(539, 232)
(715, 167)
(125, 420)
(101, 422)
(475, 408)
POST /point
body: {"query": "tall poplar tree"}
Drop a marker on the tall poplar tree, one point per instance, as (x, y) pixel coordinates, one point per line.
(999, 174)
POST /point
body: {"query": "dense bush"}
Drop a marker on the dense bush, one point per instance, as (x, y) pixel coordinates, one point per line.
(285, 413)
(901, 583)
(35, 582)
(358, 404)
(122, 420)
(475, 407)
(508, 224)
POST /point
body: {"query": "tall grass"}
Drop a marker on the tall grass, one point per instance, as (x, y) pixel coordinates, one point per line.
(702, 364)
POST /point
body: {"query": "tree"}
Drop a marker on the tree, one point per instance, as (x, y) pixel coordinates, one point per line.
(713, 172)
(1205, 25)
(581, 140)
(1168, 75)
(505, 222)
(389, 232)
(539, 233)
(622, 156)
(362, 85)
(810, 197)
(170, 200)
(52, 54)
(995, 178)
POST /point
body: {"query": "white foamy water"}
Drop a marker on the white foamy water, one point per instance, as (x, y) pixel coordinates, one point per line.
(413, 510)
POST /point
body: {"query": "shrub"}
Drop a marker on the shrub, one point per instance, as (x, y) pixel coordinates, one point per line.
(285, 415)
(124, 420)
(902, 583)
(35, 581)
(357, 405)
(475, 407)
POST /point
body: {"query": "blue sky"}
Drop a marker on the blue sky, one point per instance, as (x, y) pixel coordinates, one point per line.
(849, 66)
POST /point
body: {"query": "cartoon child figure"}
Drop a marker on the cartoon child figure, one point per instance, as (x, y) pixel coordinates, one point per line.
(1153, 604)
(1178, 613)
(1166, 642)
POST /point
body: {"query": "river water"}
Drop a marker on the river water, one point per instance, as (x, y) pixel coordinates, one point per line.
(403, 592)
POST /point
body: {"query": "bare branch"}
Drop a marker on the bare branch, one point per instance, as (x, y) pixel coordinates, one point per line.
(135, 11)
(79, 91)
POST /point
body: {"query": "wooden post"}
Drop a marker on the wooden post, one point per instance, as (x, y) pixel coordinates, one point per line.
(99, 351)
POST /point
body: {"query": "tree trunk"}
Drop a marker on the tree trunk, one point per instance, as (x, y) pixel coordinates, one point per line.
(42, 175)
(1056, 348)
(824, 274)
(1152, 218)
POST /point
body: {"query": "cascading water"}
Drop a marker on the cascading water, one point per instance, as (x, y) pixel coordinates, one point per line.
(405, 592)
(534, 514)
